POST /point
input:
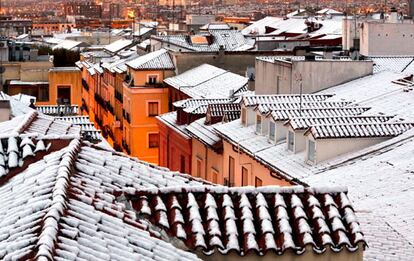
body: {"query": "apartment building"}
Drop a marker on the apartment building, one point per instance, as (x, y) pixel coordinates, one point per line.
(144, 98)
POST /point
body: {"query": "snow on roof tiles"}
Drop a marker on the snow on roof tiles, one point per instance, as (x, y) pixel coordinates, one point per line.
(304, 122)
(204, 133)
(187, 103)
(361, 130)
(230, 40)
(283, 115)
(118, 45)
(157, 60)
(391, 63)
(248, 219)
(265, 108)
(253, 100)
(63, 207)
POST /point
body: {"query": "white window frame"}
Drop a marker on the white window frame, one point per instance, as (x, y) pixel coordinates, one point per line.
(272, 123)
(309, 152)
(157, 76)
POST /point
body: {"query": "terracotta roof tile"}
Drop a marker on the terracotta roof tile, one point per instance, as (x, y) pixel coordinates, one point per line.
(253, 219)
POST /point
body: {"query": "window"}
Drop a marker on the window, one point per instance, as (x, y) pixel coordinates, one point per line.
(243, 116)
(245, 177)
(152, 79)
(153, 109)
(214, 176)
(182, 164)
(291, 140)
(153, 140)
(272, 131)
(311, 151)
(63, 94)
(198, 173)
(259, 124)
(231, 171)
(258, 182)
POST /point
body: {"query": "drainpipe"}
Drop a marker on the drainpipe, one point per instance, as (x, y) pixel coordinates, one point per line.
(205, 163)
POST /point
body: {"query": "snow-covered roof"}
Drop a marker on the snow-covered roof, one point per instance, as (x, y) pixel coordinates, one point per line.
(286, 114)
(170, 120)
(230, 40)
(303, 123)
(203, 132)
(68, 45)
(272, 219)
(207, 81)
(118, 45)
(380, 185)
(329, 11)
(142, 31)
(63, 207)
(393, 63)
(254, 100)
(119, 66)
(295, 26)
(267, 107)
(384, 203)
(359, 130)
(215, 26)
(157, 60)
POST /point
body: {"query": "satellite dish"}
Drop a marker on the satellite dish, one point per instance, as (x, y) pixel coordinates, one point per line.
(2, 69)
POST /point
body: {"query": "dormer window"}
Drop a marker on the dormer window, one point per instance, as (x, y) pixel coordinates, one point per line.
(291, 141)
(152, 79)
(311, 151)
(259, 124)
(272, 131)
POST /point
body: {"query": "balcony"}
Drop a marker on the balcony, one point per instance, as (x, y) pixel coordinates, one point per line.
(118, 96)
(85, 85)
(126, 147)
(109, 107)
(100, 100)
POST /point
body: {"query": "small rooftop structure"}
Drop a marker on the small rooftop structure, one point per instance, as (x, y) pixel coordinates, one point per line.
(157, 60)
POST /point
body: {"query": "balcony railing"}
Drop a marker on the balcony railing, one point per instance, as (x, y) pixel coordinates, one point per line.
(155, 85)
(118, 96)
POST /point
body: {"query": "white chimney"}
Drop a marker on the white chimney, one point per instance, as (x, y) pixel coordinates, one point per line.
(393, 15)
(5, 110)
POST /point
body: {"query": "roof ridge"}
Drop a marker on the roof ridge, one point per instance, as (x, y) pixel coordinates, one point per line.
(28, 119)
(273, 189)
(49, 230)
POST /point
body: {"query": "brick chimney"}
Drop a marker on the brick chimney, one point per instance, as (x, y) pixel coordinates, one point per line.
(5, 110)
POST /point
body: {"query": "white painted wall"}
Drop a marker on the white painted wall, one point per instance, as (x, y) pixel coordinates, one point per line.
(282, 77)
(331, 148)
(378, 38)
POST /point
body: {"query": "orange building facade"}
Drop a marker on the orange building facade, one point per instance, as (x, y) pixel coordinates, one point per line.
(124, 97)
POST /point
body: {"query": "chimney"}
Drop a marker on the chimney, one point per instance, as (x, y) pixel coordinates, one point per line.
(394, 15)
(5, 110)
